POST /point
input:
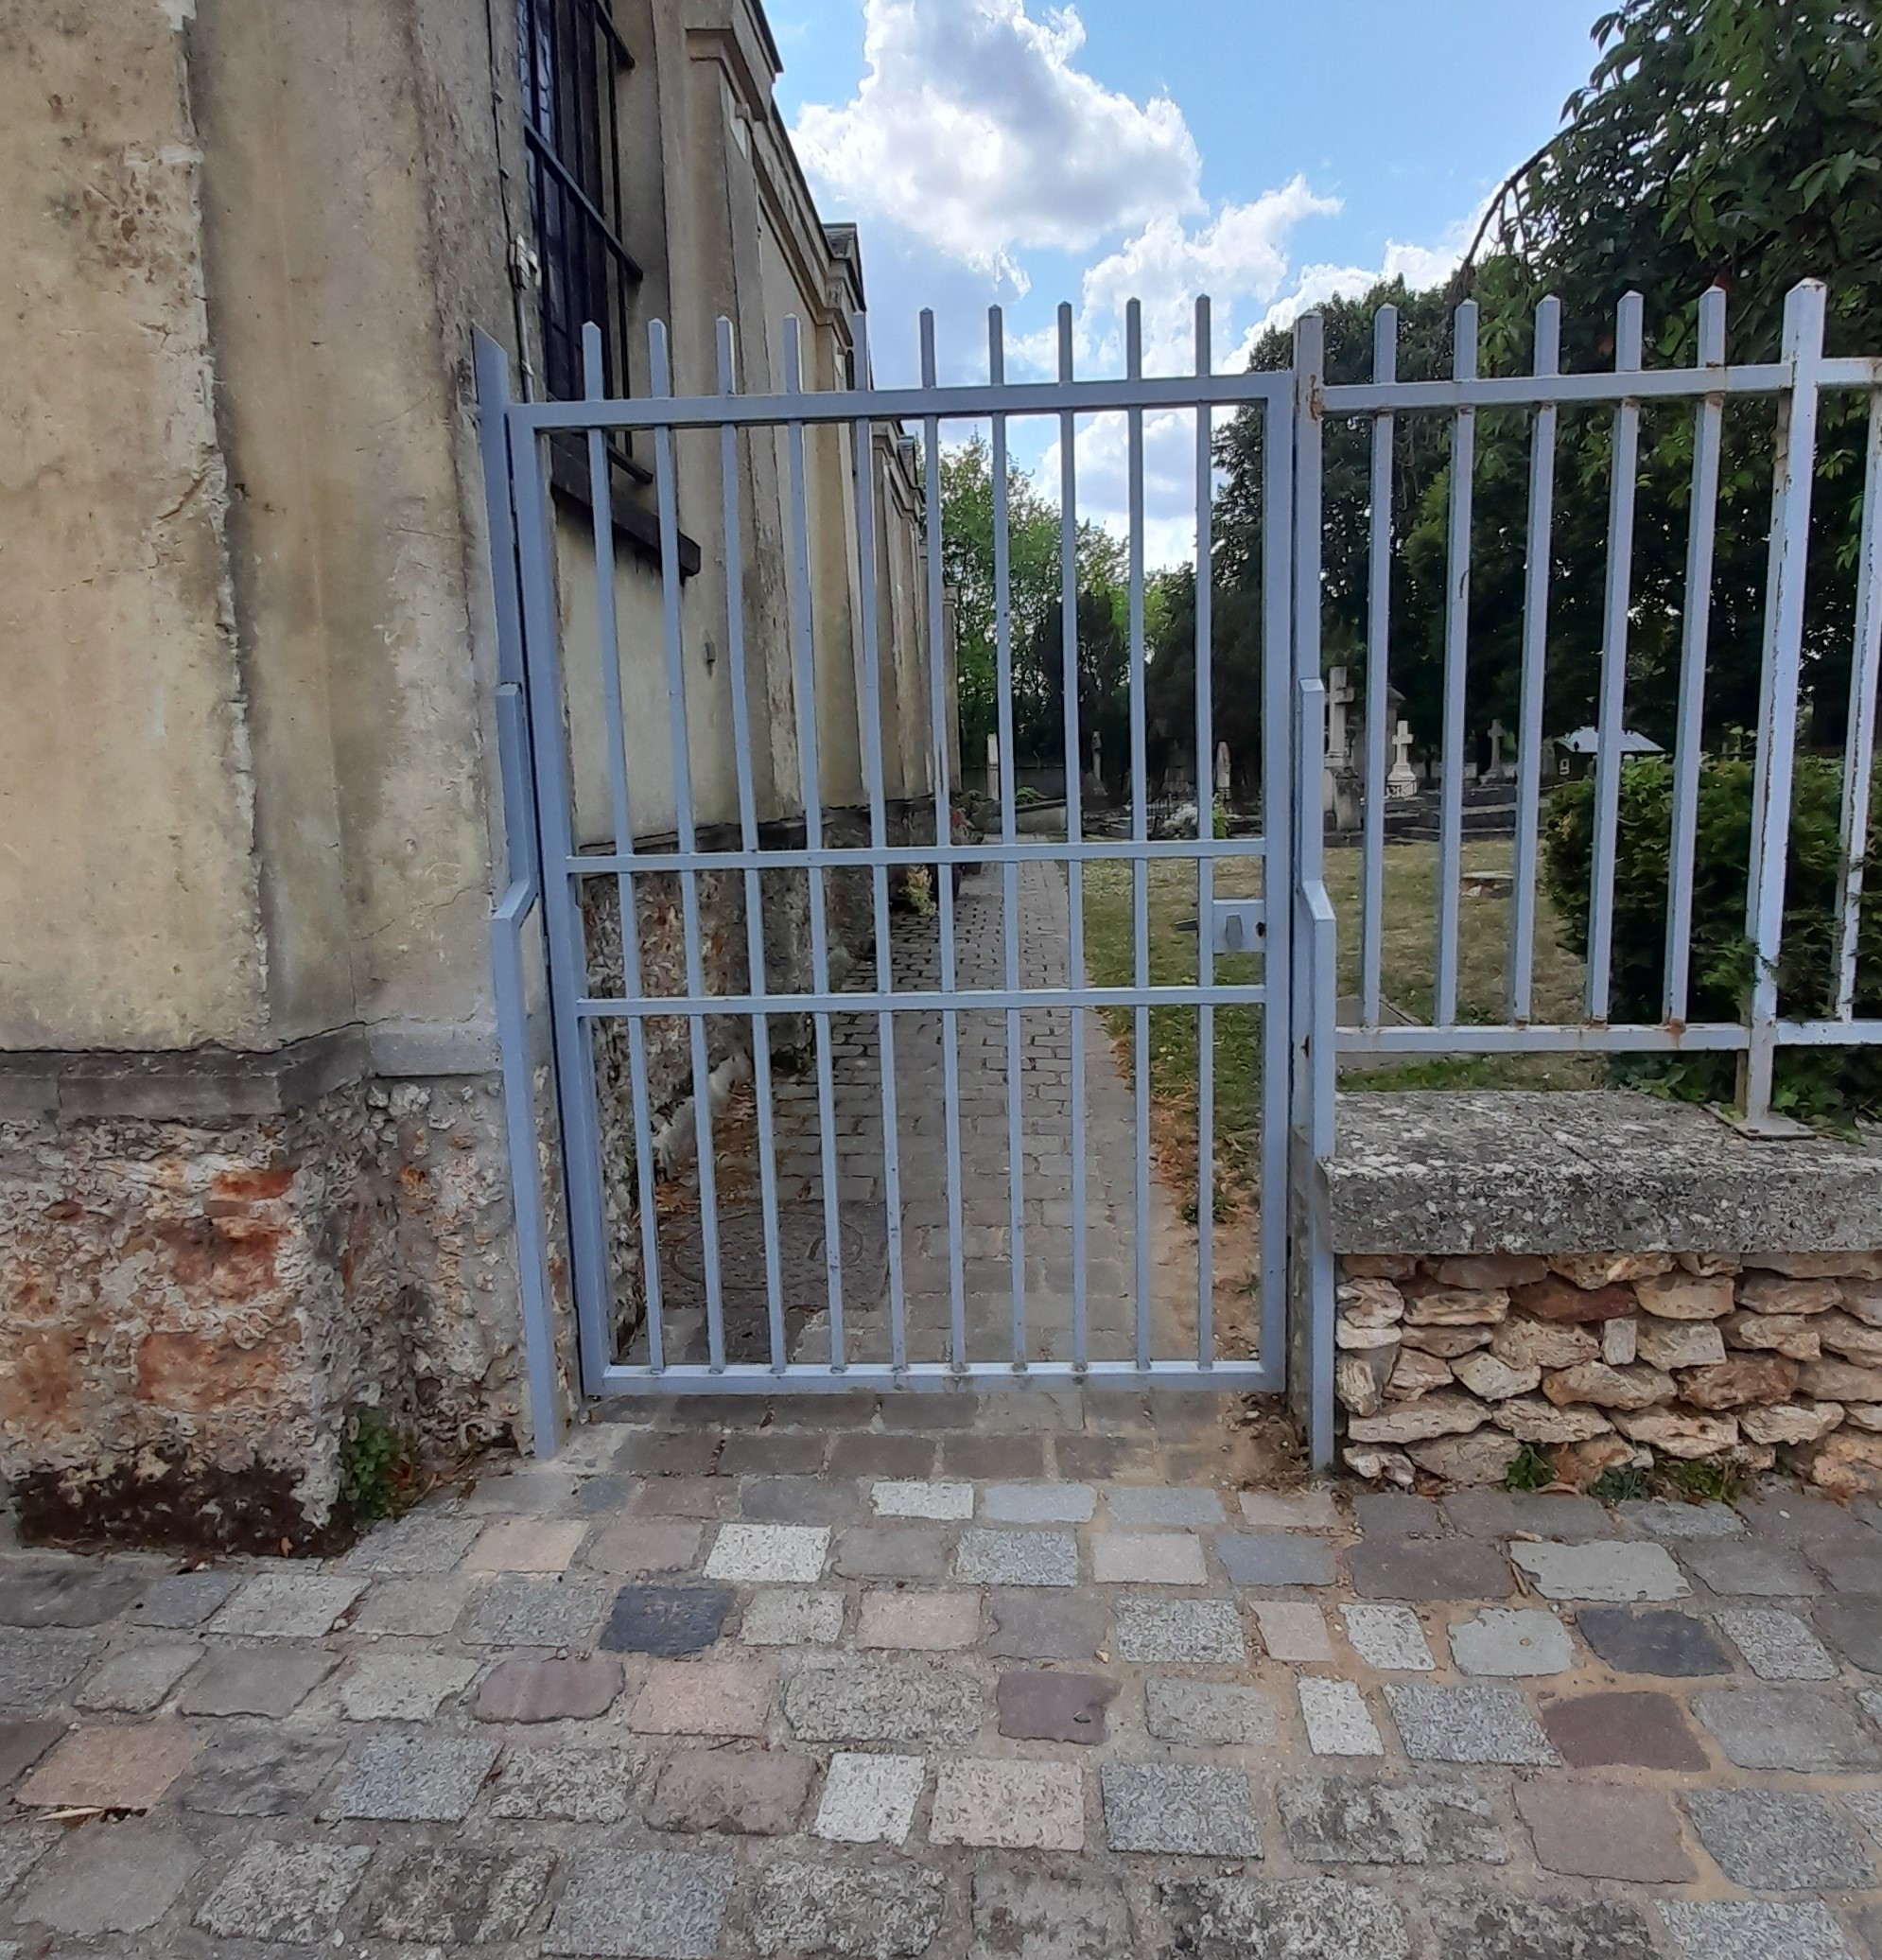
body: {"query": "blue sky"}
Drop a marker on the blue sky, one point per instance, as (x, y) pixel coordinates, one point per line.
(1014, 151)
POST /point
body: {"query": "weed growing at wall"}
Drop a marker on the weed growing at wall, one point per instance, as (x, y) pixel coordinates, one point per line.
(378, 1468)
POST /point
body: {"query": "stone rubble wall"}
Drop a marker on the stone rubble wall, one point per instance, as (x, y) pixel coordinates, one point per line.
(1450, 1365)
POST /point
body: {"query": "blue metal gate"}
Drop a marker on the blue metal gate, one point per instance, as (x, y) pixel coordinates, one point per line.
(725, 1079)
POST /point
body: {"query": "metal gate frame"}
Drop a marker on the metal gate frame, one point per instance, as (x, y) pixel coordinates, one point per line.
(1297, 975)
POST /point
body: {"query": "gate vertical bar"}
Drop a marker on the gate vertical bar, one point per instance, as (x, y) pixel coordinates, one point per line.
(1140, 831)
(1074, 822)
(1616, 601)
(943, 835)
(804, 691)
(1859, 740)
(748, 838)
(1803, 355)
(608, 652)
(1277, 798)
(1009, 872)
(1378, 685)
(1690, 739)
(1536, 568)
(1456, 656)
(862, 458)
(1205, 800)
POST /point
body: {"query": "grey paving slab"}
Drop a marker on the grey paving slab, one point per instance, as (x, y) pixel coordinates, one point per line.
(516, 1611)
(1489, 1513)
(38, 1665)
(293, 1894)
(273, 1680)
(1427, 1570)
(1615, 1571)
(1295, 1920)
(110, 1878)
(1741, 1928)
(1777, 1645)
(1337, 1721)
(642, 1905)
(791, 1616)
(1673, 1643)
(887, 1911)
(1476, 1723)
(1264, 1559)
(457, 1895)
(1388, 1637)
(1029, 1625)
(757, 1792)
(1017, 1558)
(1733, 1568)
(1153, 1504)
(409, 1778)
(1193, 1809)
(1779, 1841)
(1009, 1805)
(885, 1702)
(1206, 1632)
(1392, 1513)
(1038, 1705)
(1511, 1642)
(423, 1544)
(575, 1785)
(870, 1799)
(184, 1598)
(403, 1687)
(892, 1551)
(1208, 1714)
(1853, 1627)
(1659, 1517)
(1025, 1914)
(1357, 1820)
(1604, 1830)
(525, 1690)
(1497, 1926)
(67, 1592)
(251, 1771)
(137, 1680)
(289, 1605)
(22, 1846)
(665, 1620)
(1788, 1728)
(1037, 1503)
(1290, 1510)
(420, 1609)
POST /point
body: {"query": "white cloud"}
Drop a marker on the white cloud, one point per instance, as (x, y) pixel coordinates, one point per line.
(972, 129)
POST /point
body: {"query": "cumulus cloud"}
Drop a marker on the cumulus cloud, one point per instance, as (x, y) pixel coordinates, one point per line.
(973, 129)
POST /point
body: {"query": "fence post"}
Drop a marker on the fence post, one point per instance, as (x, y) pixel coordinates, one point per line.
(1795, 463)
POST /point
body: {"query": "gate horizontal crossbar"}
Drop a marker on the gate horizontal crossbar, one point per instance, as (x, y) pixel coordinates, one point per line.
(860, 856)
(1244, 1377)
(1033, 1000)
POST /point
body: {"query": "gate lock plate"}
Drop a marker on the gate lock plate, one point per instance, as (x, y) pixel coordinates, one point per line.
(1238, 925)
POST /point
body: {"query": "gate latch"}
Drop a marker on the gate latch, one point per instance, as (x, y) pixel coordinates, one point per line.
(1236, 925)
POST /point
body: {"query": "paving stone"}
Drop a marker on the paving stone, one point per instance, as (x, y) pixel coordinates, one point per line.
(1635, 1727)
(1294, 1630)
(1614, 1569)
(1037, 1503)
(1419, 1569)
(417, 1609)
(22, 1846)
(1336, 1718)
(885, 1702)
(1750, 1569)
(1389, 1637)
(1204, 1633)
(110, 1878)
(1290, 1510)
(603, 1497)
(759, 1792)
(1777, 1645)
(1488, 1514)
(1604, 1830)
(1496, 1926)
(932, 1620)
(1662, 1517)
(22, 1745)
(540, 1490)
(122, 1766)
(291, 1893)
(870, 1799)
(941, 1502)
(1850, 1568)
(642, 1905)
(769, 1554)
(1506, 1640)
(67, 1593)
(1014, 1806)
(1786, 1728)
(402, 1687)
(682, 1496)
(527, 1545)
(631, 1546)
(1779, 1841)
(797, 1500)
(1025, 1914)
(1207, 1714)
(881, 1455)
(665, 1619)
(289, 1606)
(137, 1680)
(783, 1617)
(1258, 1559)
(411, 1778)
(669, 1455)
(459, 1895)
(1200, 1810)
(37, 1666)
(1352, 1820)
(860, 1913)
(908, 1551)
(1017, 1558)
(256, 1772)
(1154, 1504)
(1296, 1919)
(768, 1453)
(975, 1454)
(1036, 1706)
(1734, 1928)
(1147, 1558)
(1475, 1723)
(1866, 1805)
(255, 1681)
(1395, 1515)
(705, 1698)
(184, 1598)
(566, 1786)
(516, 1611)
(1670, 1643)
(1044, 1626)
(549, 1690)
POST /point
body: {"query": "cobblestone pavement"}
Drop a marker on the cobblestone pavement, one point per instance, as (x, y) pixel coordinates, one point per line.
(719, 1682)
(1046, 1171)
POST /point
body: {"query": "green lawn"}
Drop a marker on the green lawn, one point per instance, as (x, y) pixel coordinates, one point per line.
(1409, 945)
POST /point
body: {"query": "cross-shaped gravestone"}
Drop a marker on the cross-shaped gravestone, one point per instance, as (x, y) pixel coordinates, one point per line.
(1401, 781)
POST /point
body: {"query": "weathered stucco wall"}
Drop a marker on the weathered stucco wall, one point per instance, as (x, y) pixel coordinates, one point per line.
(127, 880)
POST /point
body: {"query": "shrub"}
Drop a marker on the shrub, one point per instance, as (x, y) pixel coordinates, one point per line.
(1825, 1082)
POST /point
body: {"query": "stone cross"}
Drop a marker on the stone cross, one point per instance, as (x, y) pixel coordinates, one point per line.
(993, 765)
(1401, 781)
(1340, 696)
(1222, 776)
(1498, 736)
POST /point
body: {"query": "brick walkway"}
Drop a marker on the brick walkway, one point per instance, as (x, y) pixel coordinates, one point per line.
(1059, 1692)
(1047, 1173)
